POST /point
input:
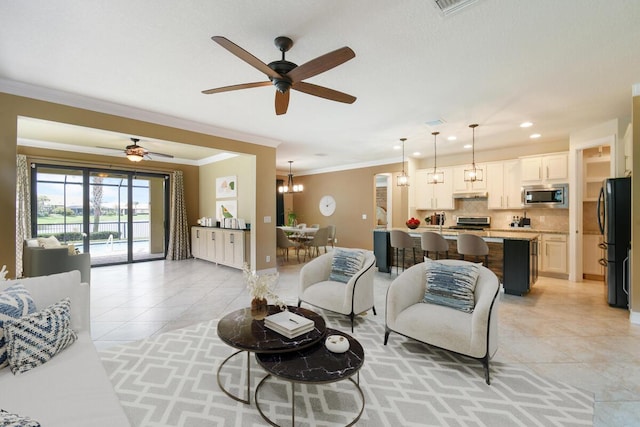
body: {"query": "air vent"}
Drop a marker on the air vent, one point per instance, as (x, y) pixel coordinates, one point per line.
(447, 7)
(434, 122)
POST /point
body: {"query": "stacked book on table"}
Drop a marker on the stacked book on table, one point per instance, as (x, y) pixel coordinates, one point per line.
(289, 324)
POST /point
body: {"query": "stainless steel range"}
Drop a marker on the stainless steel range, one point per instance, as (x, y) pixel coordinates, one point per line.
(472, 223)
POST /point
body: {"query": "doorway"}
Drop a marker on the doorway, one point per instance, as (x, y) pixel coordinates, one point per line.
(384, 203)
(116, 216)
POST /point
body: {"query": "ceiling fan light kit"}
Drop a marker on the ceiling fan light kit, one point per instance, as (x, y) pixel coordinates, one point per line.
(286, 75)
(473, 174)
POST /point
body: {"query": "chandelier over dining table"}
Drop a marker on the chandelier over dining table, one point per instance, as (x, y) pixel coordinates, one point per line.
(290, 187)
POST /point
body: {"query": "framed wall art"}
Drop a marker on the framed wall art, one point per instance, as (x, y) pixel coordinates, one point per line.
(226, 186)
(226, 209)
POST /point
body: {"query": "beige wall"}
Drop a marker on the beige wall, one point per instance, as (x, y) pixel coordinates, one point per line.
(243, 167)
(354, 192)
(11, 107)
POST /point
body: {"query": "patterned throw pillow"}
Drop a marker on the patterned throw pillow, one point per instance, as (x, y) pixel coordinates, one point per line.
(451, 285)
(14, 420)
(15, 302)
(34, 339)
(345, 263)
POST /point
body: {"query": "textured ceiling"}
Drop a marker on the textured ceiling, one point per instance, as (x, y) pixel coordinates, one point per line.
(564, 65)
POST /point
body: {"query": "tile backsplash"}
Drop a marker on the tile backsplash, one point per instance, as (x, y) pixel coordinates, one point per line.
(543, 219)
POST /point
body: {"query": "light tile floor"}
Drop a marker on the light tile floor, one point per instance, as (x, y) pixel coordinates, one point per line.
(562, 330)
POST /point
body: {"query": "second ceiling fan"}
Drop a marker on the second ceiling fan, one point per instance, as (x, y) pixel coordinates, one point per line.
(285, 75)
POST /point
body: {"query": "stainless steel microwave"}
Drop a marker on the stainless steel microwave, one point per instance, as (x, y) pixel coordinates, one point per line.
(546, 196)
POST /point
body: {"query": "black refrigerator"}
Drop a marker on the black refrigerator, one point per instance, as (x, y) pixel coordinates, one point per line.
(614, 219)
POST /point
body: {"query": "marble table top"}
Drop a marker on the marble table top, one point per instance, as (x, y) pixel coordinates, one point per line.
(315, 364)
(240, 330)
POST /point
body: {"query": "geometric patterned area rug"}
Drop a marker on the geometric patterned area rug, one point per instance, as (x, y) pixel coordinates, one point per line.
(170, 380)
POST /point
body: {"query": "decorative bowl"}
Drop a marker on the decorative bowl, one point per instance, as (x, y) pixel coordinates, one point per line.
(337, 343)
(412, 225)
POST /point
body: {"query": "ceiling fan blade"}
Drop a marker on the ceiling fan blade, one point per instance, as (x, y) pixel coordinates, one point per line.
(321, 64)
(324, 92)
(245, 56)
(282, 102)
(169, 156)
(235, 87)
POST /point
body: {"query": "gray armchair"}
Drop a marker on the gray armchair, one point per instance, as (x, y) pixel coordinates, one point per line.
(37, 261)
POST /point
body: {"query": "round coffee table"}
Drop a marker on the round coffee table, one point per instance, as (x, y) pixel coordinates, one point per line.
(240, 330)
(313, 365)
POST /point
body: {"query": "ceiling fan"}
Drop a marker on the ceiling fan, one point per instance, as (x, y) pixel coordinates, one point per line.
(136, 153)
(285, 75)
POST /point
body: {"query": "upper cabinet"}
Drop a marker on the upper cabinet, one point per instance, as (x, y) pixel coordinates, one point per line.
(550, 168)
(462, 186)
(503, 185)
(433, 196)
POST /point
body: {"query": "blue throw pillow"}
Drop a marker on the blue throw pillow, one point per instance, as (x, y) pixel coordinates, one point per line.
(34, 339)
(451, 285)
(345, 263)
(15, 302)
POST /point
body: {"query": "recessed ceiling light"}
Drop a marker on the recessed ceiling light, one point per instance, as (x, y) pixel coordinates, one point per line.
(535, 136)
(526, 124)
(467, 146)
(396, 147)
(451, 138)
(416, 153)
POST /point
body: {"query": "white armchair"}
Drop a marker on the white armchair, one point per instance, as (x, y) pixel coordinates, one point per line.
(472, 334)
(355, 296)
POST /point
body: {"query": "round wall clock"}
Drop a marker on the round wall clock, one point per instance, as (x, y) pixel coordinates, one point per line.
(327, 205)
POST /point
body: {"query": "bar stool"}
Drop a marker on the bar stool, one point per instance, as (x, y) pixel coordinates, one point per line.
(401, 240)
(470, 244)
(434, 242)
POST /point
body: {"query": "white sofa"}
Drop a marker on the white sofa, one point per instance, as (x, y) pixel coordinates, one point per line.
(72, 389)
(472, 334)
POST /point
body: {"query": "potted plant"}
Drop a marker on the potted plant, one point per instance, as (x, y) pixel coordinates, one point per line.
(292, 219)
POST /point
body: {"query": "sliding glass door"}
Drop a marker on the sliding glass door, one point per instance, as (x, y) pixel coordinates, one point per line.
(117, 216)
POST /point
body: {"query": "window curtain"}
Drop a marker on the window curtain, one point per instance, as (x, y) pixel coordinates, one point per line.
(179, 244)
(23, 208)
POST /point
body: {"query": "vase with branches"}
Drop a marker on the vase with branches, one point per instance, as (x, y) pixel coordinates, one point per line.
(260, 288)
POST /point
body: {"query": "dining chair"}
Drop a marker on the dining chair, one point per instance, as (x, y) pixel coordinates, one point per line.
(332, 235)
(284, 243)
(430, 241)
(318, 240)
(472, 245)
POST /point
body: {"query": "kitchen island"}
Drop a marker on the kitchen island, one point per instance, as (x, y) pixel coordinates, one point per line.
(513, 256)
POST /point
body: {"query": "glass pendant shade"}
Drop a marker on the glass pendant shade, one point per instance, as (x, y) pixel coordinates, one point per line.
(473, 174)
(435, 176)
(290, 187)
(134, 157)
(403, 179)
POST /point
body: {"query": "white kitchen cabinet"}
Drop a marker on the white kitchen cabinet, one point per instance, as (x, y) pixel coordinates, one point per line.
(547, 169)
(553, 254)
(220, 245)
(503, 185)
(591, 255)
(462, 186)
(433, 196)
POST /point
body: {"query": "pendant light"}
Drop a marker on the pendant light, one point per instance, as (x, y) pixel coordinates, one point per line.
(403, 179)
(435, 177)
(290, 187)
(473, 174)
